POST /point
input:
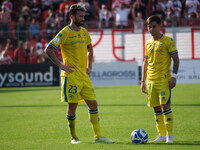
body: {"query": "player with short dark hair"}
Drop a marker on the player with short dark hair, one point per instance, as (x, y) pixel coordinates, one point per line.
(77, 54)
(156, 69)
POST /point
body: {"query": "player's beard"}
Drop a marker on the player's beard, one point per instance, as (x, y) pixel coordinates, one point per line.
(78, 23)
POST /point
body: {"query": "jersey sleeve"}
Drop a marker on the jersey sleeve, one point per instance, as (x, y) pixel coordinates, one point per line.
(172, 47)
(146, 54)
(57, 40)
(89, 40)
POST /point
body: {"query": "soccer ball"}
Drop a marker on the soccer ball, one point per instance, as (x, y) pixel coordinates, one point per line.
(139, 136)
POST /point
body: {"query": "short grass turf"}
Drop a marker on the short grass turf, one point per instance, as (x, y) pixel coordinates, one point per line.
(34, 119)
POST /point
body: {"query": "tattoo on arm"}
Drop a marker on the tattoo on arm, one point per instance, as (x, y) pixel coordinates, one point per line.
(51, 54)
(176, 63)
(90, 55)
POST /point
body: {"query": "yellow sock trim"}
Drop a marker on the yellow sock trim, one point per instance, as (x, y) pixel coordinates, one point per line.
(160, 125)
(72, 126)
(168, 119)
(94, 118)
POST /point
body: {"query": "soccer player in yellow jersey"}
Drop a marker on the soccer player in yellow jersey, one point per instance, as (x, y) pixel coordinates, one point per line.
(156, 69)
(77, 53)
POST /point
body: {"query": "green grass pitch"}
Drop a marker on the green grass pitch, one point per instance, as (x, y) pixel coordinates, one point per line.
(35, 119)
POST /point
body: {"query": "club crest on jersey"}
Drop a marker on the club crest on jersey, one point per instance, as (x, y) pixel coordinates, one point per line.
(79, 35)
(56, 40)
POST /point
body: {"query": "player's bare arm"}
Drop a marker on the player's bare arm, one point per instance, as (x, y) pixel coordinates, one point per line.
(90, 58)
(172, 82)
(144, 75)
(49, 50)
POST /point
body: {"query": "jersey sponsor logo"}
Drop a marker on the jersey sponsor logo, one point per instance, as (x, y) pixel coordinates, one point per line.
(60, 35)
(56, 40)
(75, 42)
(72, 36)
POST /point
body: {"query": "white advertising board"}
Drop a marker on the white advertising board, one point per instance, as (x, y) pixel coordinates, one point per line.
(189, 71)
(114, 73)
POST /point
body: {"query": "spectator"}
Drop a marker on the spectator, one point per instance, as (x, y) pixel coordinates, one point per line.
(151, 7)
(163, 4)
(33, 29)
(5, 59)
(108, 3)
(27, 51)
(20, 54)
(1, 49)
(35, 10)
(105, 17)
(176, 6)
(193, 19)
(191, 6)
(107, 20)
(139, 21)
(50, 19)
(47, 4)
(5, 20)
(94, 11)
(21, 30)
(9, 48)
(168, 22)
(26, 13)
(102, 12)
(66, 17)
(58, 23)
(121, 18)
(33, 56)
(138, 6)
(39, 50)
(8, 5)
(159, 12)
(86, 5)
(62, 6)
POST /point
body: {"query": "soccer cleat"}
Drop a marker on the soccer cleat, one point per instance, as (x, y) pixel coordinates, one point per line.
(160, 138)
(75, 141)
(169, 139)
(102, 139)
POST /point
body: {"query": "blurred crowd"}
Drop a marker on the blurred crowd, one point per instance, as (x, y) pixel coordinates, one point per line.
(26, 26)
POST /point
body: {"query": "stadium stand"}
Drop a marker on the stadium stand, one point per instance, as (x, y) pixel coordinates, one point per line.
(37, 21)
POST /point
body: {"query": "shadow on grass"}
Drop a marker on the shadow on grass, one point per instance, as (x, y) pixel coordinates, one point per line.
(164, 144)
(178, 143)
(22, 89)
(101, 105)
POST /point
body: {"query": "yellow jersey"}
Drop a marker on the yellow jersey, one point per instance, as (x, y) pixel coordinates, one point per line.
(158, 54)
(73, 46)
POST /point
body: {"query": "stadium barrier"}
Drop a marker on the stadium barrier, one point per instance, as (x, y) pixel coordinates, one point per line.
(115, 73)
(189, 71)
(103, 74)
(129, 44)
(29, 75)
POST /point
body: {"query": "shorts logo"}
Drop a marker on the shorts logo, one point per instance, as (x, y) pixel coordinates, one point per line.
(71, 96)
(163, 98)
(56, 40)
(162, 93)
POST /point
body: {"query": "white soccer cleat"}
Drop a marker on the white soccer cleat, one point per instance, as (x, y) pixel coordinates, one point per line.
(160, 138)
(75, 141)
(169, 139)
(103, 140)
